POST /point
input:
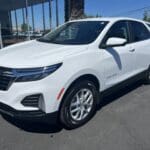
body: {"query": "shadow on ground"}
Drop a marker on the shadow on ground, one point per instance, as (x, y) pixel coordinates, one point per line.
(34, 127)
(117, 94)
(45, 128)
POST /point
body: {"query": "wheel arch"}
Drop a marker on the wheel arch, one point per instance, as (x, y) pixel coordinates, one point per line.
(89, 77)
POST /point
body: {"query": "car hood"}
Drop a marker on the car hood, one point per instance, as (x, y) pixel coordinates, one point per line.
(36, 54)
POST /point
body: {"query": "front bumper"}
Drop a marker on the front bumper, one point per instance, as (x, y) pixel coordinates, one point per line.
(19, 91)
(37, 115)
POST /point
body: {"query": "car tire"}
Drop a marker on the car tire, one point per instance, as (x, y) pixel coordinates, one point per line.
(147, 80)
(79, 105)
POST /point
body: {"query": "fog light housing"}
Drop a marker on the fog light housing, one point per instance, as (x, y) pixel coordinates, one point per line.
(32, 100)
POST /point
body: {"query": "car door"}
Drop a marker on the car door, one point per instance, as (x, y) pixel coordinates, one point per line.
(141, 45)
(117, 61)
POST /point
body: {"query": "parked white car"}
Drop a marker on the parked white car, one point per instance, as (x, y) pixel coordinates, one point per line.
(61, 76)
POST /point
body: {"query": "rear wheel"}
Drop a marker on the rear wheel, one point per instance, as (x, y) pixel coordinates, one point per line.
(79, 105)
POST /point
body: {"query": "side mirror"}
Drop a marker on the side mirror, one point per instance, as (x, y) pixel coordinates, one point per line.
(115, 42)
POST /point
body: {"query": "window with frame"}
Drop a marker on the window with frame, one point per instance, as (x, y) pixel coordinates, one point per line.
(75, 33)
(139, 31)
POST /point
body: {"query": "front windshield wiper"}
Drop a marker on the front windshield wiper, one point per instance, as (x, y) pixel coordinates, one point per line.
(48, 41)
(44, 40)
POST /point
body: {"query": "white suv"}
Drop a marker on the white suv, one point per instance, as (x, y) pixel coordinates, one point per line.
(59, 76)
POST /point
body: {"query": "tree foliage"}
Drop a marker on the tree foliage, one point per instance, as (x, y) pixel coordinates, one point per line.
(146, 16)
(92, 16)
(24, 27)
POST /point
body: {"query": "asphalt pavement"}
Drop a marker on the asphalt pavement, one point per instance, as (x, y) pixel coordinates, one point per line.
(122, 123)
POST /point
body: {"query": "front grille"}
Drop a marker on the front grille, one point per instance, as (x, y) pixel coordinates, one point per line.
(31, 101)
(6, 78)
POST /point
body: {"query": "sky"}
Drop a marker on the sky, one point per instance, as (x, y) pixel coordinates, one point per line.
(105, 8)
(115, 7)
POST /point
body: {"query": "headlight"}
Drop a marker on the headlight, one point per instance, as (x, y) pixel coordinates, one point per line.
(33, 74)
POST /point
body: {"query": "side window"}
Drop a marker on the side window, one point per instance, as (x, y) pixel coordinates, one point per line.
(118, 30)
(139, 31)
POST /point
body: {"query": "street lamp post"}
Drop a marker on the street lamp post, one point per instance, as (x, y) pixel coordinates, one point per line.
(50, 14)
(57, 14)
(1, 42)
(27, 21)
(43, 11)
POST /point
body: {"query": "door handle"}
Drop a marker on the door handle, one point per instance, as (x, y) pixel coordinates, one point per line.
(132, 50)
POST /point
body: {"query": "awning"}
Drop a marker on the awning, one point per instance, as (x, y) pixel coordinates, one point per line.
(6, 5)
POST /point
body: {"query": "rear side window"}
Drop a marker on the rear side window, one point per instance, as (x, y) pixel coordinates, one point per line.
(139, 31)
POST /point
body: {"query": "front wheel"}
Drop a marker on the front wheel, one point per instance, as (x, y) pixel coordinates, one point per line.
(79, 105)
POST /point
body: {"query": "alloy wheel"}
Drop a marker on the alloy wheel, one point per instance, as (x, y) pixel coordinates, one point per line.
(81, 104)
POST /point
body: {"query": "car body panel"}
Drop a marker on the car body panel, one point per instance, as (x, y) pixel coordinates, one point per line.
(110, 66)
(31, 54)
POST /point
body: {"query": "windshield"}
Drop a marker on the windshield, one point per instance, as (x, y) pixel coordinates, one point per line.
(82, 32)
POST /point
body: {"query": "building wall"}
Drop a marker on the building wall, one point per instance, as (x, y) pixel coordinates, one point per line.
(5, 20)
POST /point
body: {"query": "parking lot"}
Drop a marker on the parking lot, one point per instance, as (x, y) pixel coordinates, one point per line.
(123, 123)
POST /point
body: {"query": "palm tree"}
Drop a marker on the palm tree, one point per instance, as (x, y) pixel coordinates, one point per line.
(74, 9)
